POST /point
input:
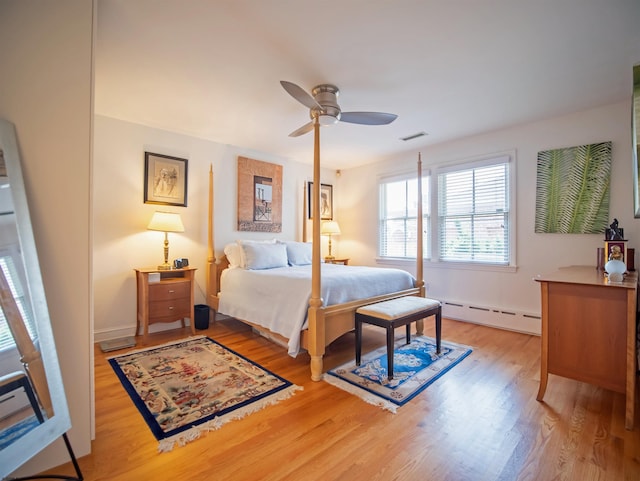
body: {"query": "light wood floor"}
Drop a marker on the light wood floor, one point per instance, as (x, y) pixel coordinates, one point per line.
(478, 422)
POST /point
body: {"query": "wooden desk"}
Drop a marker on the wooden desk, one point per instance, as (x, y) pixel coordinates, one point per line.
(589, 331)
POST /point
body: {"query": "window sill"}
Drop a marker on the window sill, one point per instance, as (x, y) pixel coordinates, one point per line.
(466, 266)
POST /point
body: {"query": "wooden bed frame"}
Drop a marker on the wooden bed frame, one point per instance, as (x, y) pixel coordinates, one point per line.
(325, 324)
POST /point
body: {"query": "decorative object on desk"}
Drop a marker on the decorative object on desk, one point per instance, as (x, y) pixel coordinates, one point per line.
(572, 189)
(330, 228)
(615, 270)
(326, 201)
(615, 247)
(165, 180)
(614, 232)
(187, 388)
(259, 196)
(416, 366)
(166, 222)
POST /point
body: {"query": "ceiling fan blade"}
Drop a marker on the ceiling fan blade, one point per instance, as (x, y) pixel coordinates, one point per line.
(367, 118)
(302, 130)
(300, 95)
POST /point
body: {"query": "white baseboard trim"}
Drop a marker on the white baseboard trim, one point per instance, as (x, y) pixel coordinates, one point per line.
(125, 331)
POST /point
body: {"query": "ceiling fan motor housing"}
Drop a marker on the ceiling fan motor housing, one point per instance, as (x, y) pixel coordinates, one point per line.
(327, 96)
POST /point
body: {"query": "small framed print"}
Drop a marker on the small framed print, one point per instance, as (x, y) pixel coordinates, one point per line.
(615, 250)
(165, 180)
(326, 201)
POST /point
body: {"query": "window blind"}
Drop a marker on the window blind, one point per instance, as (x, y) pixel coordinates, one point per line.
(473, 212)
(398, 217)
(9, 269)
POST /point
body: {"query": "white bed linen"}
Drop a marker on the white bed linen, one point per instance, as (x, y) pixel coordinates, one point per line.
(278, 298)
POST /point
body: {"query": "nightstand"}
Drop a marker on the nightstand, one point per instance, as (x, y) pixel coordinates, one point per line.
(164, 296)
(344, 261)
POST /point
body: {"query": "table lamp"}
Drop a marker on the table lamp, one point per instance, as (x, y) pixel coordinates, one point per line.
(330, 228)
(166, 222)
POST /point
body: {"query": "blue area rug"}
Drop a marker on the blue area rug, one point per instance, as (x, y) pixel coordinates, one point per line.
(18, 430)
(186, 388)
(415, 367)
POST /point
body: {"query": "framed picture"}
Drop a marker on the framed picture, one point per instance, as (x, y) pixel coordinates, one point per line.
(259, 196)
(165, 180)
(326, 201)
(615, 250)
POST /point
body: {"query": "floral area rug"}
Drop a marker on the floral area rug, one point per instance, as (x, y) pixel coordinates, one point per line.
(415, 366)
(193, 386)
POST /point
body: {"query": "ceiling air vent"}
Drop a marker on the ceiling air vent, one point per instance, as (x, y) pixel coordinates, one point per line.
(414, 136)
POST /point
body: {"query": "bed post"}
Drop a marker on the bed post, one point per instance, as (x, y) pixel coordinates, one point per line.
(304, 211)
(419, 253)
(212, 278)
(316, 311)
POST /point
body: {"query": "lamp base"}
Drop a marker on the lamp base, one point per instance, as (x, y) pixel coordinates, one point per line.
(329, 258)
(164, 267)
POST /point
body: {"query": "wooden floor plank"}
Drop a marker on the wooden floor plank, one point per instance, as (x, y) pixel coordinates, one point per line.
(480, 421)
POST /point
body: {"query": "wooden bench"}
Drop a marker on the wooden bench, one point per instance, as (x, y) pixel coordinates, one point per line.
(401, 311)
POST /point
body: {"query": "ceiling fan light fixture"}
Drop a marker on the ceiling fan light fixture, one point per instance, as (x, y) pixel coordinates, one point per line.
(327, 120)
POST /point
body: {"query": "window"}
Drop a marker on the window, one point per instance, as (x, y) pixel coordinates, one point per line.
(474, 217)
(15, 284)
(398, 216)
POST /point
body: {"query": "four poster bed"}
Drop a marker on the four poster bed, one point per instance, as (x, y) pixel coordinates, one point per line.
(236, 289)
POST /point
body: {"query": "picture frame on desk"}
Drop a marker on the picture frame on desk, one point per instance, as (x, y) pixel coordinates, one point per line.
(615, 250)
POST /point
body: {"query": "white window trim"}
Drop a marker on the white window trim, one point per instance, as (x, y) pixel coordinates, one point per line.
(432, 260)
(474, 162)
(396, 177)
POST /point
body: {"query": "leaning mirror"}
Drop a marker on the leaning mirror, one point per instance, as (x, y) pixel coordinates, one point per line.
(33, 406)
(635, 134)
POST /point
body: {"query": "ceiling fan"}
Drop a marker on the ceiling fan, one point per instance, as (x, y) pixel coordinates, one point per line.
(323, 103)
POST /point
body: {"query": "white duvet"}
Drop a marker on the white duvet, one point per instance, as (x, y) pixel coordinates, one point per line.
(278, 298)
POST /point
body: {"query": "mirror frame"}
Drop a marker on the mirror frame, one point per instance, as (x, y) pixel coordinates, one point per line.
(27, 446)
(635, 136)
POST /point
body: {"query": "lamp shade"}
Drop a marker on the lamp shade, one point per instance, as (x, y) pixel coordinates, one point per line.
(330, 227)
(166, 222)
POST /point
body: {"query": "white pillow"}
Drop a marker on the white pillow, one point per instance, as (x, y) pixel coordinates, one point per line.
(234, 255)
(264, 256)
(240, 242)
(299, 253)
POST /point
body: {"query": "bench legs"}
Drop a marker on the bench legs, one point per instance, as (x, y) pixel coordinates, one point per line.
(390, 326)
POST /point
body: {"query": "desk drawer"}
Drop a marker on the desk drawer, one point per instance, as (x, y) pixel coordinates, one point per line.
(164, 291)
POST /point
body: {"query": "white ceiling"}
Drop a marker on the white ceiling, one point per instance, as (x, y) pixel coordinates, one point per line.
(452, 68)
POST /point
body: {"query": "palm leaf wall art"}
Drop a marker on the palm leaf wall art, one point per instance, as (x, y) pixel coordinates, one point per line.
(572, 190)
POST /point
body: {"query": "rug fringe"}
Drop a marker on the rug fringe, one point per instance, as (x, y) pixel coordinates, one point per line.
(362, 394)
(167, 444)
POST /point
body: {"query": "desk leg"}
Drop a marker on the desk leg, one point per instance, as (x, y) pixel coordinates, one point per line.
(544, 344)
(631, 360)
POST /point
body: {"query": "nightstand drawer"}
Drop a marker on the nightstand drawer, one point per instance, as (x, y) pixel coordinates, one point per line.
(164, 291)
(175, 308)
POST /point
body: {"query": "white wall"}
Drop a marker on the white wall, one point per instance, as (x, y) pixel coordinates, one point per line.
(122, 242)
(46, 59)
(536, 253)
